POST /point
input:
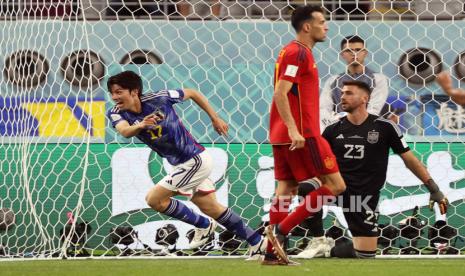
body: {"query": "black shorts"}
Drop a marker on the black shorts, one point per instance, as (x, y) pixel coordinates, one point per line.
(361, 213)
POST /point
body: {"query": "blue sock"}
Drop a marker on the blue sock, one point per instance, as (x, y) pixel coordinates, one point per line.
(235, 224)
(176, 209)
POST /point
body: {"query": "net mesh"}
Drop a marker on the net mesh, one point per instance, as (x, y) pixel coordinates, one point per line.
(70, 186)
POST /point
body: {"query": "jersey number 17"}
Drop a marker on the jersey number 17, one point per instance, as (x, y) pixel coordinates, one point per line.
(155, 133)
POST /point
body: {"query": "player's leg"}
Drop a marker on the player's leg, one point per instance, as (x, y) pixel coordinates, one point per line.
(185, 179)
(286, 189)
(365, 247)
(316, 157)
(364, 226)
(312, 225)
(160, 199)
(210, 206)
(362, 220)
(181, 180)
(360, 247)
(284, 193)
(319, 244)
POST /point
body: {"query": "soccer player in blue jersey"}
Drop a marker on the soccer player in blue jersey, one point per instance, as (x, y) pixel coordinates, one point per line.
(153, 120)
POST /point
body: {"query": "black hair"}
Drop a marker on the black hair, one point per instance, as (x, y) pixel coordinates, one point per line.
(351, 39)
(302, 14)
(127, 80)
(360, 84)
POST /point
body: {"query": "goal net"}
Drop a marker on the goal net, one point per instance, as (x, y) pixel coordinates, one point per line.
(70, 186)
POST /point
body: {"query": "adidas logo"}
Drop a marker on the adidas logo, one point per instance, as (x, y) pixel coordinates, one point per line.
(340, 136)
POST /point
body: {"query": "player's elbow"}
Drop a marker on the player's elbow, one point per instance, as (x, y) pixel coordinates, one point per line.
(126, 135)
(192, 94)
(278, 95)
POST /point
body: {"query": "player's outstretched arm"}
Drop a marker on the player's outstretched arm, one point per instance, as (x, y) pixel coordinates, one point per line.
(129, 131)
(219, 125)
(444, 80)
(419, 170)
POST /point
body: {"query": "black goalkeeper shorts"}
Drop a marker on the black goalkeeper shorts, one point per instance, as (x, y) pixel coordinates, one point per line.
(361, 214)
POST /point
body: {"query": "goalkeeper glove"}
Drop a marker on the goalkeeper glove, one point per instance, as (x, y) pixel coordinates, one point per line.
(436, 196)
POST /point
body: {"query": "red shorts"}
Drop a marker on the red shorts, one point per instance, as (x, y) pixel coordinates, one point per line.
(314, 159)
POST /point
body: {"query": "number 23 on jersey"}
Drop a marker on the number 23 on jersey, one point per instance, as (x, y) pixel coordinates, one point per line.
(354, 151)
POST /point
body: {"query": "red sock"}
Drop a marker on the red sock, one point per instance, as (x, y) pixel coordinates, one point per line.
(279, 211)
(312, 201)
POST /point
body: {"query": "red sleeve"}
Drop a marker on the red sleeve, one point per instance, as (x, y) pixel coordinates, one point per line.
(292, 65)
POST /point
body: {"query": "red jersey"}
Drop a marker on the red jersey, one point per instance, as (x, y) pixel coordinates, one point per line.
(296, 64)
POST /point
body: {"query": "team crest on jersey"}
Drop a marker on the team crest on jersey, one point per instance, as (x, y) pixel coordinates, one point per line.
(373, 137)
(329, 162)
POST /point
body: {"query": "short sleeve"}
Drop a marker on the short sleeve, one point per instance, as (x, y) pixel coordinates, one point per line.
(114, 116)
(175, 96)
(291, 65)
(165, 96)
(396, 139)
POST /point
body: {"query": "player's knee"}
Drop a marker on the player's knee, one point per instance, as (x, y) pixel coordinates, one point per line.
(343, 250)
(156, 203)
(307, 186)
(334, 182)
(286, 188)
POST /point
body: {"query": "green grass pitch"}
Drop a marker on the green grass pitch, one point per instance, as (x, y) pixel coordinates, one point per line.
(222, 267)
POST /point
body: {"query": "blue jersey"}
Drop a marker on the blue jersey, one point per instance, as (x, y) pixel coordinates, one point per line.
(169, 138)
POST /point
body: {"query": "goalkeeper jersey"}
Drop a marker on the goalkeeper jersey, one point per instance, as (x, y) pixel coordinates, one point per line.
(362, 151)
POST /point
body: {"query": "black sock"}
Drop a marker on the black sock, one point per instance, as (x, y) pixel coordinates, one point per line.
(344, 250)
(365, 254)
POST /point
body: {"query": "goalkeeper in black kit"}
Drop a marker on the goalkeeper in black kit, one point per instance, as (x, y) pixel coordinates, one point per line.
(361, 143)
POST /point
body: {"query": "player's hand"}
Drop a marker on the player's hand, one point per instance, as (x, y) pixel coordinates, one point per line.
(149, 121)
(436, 196)
(440, 199)
(158, 116)
(444, 80)
(297, 140)
(220, 126)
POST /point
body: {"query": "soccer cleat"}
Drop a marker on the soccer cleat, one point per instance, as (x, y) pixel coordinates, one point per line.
(256, 251)
(201, 235)
(277, 241)
(318, 247)
(271, 259)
